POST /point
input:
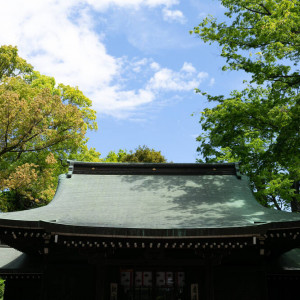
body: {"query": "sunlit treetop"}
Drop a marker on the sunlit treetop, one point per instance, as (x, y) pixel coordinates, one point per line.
(259, 37)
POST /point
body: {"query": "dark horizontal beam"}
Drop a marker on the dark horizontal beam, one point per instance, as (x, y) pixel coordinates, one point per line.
(152, 169)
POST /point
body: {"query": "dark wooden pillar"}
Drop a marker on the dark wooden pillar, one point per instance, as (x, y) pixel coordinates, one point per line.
(101, 293)
(209, 280)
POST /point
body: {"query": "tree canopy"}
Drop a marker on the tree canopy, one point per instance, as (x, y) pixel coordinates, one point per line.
(142, 154)
(41, 124)
(259, 125)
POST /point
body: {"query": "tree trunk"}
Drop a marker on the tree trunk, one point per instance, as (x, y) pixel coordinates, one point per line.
(295, 204)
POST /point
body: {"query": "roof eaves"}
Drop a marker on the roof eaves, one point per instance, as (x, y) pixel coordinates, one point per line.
(77, 167)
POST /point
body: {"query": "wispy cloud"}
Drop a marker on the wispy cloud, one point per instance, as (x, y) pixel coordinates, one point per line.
(121, 103)
(137, 66)
(173, 15)
(212, 81)
(169, 80)
(104, 4)
(60, 40)
(188, 67)
(155, 66)
(55, 45)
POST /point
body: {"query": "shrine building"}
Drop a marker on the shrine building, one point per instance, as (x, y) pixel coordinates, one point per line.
(151, 232)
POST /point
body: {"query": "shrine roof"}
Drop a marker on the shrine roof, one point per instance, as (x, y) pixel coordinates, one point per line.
(151, 200)
(289, 260)
(13, 261)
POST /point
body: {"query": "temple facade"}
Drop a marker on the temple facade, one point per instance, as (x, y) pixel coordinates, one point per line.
(151, 232)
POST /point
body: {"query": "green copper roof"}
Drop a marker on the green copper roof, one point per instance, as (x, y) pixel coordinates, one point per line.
(14, 261)
(290, 260)
(152, 196)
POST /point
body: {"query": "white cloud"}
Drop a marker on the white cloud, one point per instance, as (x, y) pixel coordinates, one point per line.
(59, 39)
(104, 4)
(201, 76)
(212, 81)
(155, 66)
(138, 65)
(46, 37)
(188, 67)
(184, 80)
(120, 103)
(173, 15)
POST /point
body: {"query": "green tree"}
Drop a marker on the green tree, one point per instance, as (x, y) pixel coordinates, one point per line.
(2, 287)
(141, 154)
(11, 64)
(41, 124)
(258, 126)
(113, 157)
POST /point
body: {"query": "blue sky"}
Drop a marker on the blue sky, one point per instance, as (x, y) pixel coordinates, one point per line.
(135, 59)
